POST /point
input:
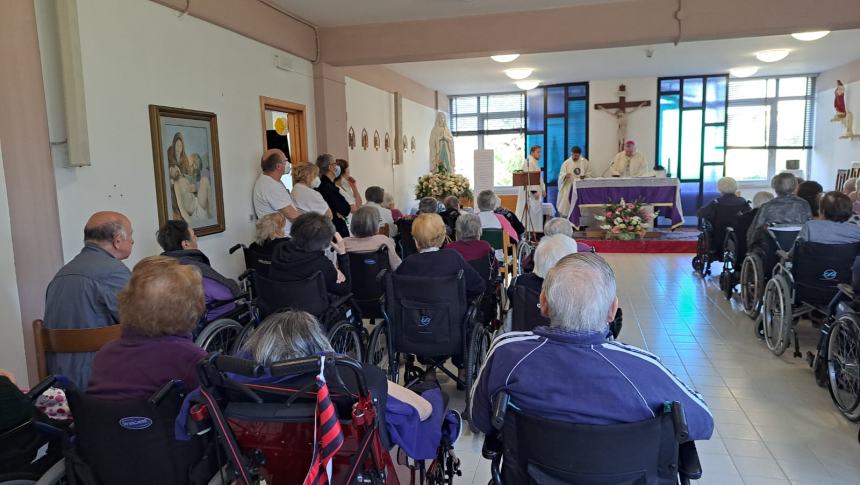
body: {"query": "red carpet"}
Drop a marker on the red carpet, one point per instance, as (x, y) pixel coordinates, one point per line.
(642, 246)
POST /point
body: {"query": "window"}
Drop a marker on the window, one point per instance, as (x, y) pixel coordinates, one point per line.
(557, 120)
(489, 122)
(769, 123)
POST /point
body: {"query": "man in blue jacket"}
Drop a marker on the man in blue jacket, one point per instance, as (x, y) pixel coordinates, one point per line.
(570, 371)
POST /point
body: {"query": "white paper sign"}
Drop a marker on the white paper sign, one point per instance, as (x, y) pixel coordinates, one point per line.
(484, 171)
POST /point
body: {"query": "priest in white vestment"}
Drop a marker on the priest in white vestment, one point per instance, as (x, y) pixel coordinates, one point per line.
(629, 163)
(574, 168)
(536, 191)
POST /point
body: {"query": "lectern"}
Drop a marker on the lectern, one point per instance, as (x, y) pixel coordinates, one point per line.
(526, 179)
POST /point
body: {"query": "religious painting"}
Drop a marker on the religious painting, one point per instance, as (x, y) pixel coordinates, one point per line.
(387, 142)
(376, 140)
(412, 145)
(351, 138)
(187, 168)
(364, 141)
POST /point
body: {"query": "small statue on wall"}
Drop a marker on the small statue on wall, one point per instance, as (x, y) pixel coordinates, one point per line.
(350, 136)
(364, 141)
(376, 140)
(387, 142)
(842, 114)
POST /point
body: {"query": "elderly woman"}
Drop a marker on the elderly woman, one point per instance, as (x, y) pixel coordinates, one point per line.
(831, 226)
(347, 185)
(306, 178)
(428, 230)
(786, 208)
(414, 422)
(728, 188)
(340, 208)
(271, 231)
(469, 243)
(549, 251)
(304, 254)
(158, 309)
(388, 203)
(365, 235)
(487, 202)
(811, 191)
(451, 213)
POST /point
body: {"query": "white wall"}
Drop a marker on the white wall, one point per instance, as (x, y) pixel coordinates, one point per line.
(11, 333)
(373, 109)
(603, 128)
(830, 152)
(136, 53)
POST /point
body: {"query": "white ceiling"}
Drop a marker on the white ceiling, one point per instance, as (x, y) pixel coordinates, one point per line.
(327, 13)
(483, 75)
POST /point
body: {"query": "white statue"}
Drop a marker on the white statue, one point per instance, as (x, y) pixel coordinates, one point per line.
(441, 145)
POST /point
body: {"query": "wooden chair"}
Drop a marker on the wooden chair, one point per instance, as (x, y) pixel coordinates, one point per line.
(69, 341)
(384, 229)
(499, 239)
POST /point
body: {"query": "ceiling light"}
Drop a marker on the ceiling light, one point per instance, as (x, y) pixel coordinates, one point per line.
(772, 55)
(505, 57)
(518, 73)
(746, 71)
(528, 84)
(810, 36)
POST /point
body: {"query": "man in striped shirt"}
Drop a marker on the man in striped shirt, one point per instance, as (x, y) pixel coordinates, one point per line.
(572, 371)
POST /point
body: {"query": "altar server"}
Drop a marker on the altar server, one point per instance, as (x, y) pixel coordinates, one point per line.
(629, 163)
(536, 191)
(574, 168)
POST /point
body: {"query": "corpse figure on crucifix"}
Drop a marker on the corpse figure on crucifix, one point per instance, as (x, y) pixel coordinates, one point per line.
(628, 161)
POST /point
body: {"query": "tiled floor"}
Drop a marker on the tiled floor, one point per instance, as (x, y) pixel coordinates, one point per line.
(773, 424)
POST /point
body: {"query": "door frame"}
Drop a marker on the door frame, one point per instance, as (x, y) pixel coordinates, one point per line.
(296, 124)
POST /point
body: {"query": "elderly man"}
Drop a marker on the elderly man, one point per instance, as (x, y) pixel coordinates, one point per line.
(83, 294)
(375, 196)
(270, 195)
(629, 162)
(570, 371)
(832, 227)
(786, 208)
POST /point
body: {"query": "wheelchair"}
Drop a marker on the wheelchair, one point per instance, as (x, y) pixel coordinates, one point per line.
(489, 308)
(525, 310)
(366, 271)
(141, 431)
(705, 250)
(404, 239)
(527, 448)
(733, 252)
(803, 284)
(431, 319)
(31, 450)
(836, 364)
(266, 441)
(709, 246)
(222, 334)
(759, 262)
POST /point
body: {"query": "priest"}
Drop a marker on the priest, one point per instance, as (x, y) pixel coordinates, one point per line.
(629, 163)
(574, 168)
(535, 192)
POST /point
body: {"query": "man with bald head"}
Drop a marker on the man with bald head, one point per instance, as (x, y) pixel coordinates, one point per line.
(270, 194)
(83, 294)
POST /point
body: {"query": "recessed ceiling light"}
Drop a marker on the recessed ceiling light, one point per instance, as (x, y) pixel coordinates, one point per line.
(772, 55)
(505, 57)
(528, 84)
(746, 71)
(810, 36)
(518, 73)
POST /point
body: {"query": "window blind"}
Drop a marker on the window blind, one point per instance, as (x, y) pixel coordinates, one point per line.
(771, 112)
(487, 113)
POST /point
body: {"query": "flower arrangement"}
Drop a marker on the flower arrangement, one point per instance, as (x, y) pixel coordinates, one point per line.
(624, 219)
(440, 184)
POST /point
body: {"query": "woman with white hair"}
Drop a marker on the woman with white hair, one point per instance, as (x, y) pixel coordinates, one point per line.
(365, 235)
(487, 201)
(728, 199)
(549, 251)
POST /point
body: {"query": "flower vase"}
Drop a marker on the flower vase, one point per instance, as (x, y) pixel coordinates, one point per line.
(626, 236)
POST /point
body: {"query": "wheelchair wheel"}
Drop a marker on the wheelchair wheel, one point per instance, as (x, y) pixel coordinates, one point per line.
(698, 265)
(345, 339)
(843, 366)
(219, 335)
(524, 248)
(378, 353)
(243, 337)
(777, 315)
(752, 271)
(479, 344)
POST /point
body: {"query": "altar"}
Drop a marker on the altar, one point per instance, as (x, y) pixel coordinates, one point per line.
(662, 193)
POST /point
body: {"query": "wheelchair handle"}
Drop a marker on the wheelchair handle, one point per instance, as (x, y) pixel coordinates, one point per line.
(236, 248)
(500, 406)
(235, 365)
(160, 394)
(41, 387)
(679, 419)
(311, 365)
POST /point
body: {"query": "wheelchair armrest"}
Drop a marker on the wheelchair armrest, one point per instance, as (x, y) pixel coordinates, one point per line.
(783, 255)
(492, 447)
(160, 394)
(341, 300)
(236, 248)
(689, 466)
(41, 387)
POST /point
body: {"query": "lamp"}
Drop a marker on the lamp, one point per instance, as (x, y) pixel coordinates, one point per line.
(810, 36)
(518, 73)
(772, 55)
(745, 71)
(505, 57)
(528, 84)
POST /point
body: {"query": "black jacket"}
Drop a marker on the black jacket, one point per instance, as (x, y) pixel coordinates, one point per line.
(195, 257)
(340, 208)
(444, 262)
(290, 263)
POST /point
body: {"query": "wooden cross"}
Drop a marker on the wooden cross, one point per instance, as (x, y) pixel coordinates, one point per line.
(619, 110)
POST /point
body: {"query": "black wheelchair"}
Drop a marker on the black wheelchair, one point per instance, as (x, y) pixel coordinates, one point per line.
(709, 246)
(759, 261)
(366, 270)
(254, 260)
(429, 318)
(531, 449)
(525, 310)
(489, 308)
(404, 239)
(134, 441)
(804, 282)
(836, 364)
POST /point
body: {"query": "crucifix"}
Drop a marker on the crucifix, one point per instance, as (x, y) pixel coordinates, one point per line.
(619, 111)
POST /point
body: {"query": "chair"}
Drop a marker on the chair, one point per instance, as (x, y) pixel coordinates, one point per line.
(532, 449)
(367, 286)
(133, 441)
(73, 341)
(526, 313)
(500, 241)
(384, 230)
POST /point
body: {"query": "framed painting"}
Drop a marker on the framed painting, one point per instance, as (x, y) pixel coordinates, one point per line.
(187, 168)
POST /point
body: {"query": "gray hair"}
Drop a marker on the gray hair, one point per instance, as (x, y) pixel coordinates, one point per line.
(323, 162)
(365, 221)
(374, 194)
(105, 233)
(558, 225)
(451, 203)
(784, 184)
(285, 336)
(850, 185)
(579, 292)
(550, 250)
(487, 200)
(727, 185)
(468, 227)
(271, 226)
(428, 205)
(387, 200)
(760, 198)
